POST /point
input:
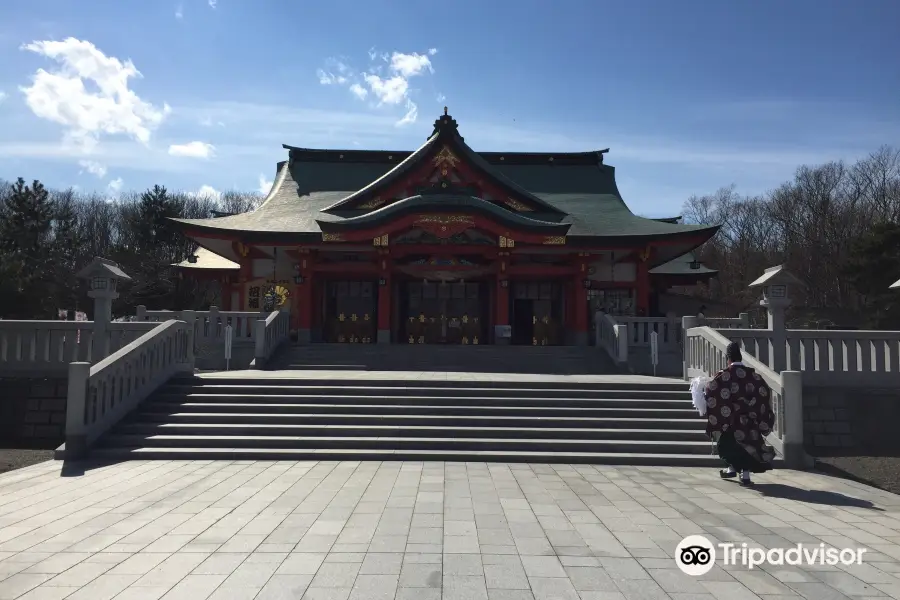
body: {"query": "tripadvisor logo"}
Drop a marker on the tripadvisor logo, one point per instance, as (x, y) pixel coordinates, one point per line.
(695, 555)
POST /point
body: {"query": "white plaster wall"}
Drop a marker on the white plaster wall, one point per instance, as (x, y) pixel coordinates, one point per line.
(608, 271)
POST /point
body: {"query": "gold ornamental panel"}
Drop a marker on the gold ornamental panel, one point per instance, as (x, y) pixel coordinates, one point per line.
(373, 203)
(518, 206)
(332, 237)
(555, 240)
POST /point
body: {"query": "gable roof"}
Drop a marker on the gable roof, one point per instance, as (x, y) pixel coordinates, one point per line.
(445, 135)
(575, 189)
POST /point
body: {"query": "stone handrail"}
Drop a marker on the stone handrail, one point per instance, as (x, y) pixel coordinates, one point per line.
(99, 396)
(210, 325)
(43, 347)
(270, 333)
(639, 329)
(704, 356)
(612, 337)
(829, 358)
(122, 333)
(741, 322)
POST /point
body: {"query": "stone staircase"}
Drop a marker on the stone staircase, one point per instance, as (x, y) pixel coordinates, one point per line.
(547, 360)
(386, 416)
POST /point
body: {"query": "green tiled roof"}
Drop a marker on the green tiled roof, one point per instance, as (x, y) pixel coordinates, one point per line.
(577, 188)
(682, 266)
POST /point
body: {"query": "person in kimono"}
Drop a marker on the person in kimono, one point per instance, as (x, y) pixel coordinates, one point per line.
(739, 416)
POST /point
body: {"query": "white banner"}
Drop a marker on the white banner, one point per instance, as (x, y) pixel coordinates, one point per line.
(229, 336)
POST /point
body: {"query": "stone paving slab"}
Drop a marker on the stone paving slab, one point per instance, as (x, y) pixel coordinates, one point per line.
(245, 530)
(341, 375)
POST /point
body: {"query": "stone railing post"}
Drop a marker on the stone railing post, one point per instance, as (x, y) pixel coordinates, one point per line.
(260, 353)
(140, 313)
(745, 320)
(792, 437)
(190, 322)
(621, 335)
(686, 324)
(76, 400)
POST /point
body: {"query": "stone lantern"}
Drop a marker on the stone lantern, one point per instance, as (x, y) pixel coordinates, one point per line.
(777, 283)
(103, 277)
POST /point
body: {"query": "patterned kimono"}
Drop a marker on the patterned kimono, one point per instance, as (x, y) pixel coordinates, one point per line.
(739, 415)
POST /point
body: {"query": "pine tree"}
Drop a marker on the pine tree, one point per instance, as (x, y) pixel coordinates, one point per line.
(25, 230)
(873, 266)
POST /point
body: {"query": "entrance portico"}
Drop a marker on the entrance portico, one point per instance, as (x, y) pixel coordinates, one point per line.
(443, 245)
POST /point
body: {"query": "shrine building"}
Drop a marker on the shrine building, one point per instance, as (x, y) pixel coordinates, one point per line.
(445, 245)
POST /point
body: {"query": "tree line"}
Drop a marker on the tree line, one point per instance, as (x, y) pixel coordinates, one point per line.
(47, 236)
(836, 226)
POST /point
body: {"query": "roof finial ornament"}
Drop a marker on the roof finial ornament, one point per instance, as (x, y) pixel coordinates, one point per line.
(445, 123)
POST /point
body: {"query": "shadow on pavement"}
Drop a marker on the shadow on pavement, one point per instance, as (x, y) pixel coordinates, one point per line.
(786, 492)
(77, 468)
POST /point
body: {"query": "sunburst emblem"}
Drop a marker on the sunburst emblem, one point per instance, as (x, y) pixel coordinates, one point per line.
(281, 296)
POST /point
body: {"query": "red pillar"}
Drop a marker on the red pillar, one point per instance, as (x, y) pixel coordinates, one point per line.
(578, 306)
(501, 316)
(226, 294)
(642, 288)
(384, 310)
(304, 304)
(383, 333)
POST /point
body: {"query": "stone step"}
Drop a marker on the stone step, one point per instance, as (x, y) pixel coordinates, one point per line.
(363, 379)
(387, 416)
(376, 429)
(623, 446)
(388, 391)
(430, 408)
(332, 454)
(250, 416)
(461, 400)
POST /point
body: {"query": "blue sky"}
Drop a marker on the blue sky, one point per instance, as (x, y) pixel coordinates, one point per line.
(690, 95)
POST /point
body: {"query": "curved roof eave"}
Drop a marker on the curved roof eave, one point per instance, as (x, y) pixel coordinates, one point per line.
(441, 203)
(401, 168)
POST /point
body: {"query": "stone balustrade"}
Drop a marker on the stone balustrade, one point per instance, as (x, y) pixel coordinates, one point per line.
(828, 358)
(209, 328)
(45, 348)
(704, 356)
(100, 395)
(270, 334)
(612, 337)
(741, 322)
(668, 331)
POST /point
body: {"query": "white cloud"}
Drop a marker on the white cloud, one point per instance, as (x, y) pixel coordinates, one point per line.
(61, 95)
(326, 78)
(412, 112)
(2, 97)
(179, 12)
(390, 88)
(359, 91)
(93, 167)
(213, 3)
(193, 150)
(207, 191)
(440, 97)
(208, 122)
(410, 65)
(264, 184)
(388, 91)
(115, 186)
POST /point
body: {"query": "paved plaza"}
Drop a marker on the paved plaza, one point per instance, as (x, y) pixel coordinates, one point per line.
(225, 530)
